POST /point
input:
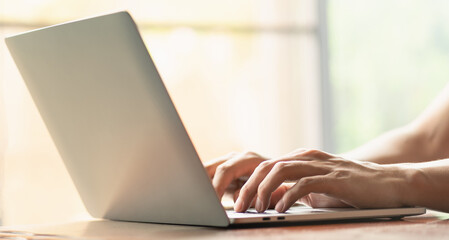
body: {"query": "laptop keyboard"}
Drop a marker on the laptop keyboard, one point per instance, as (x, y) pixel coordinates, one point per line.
(301, 209)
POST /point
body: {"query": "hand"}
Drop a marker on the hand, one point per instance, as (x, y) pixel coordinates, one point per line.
(230, 169)
(358, 184)
(229, 173)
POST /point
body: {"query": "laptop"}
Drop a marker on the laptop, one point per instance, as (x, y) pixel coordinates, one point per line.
(119, 134)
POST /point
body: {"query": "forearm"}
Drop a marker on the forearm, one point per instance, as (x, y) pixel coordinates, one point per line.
(427, 185)
(397, 146)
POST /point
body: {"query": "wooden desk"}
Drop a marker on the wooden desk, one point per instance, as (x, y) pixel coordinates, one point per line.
(432, 225)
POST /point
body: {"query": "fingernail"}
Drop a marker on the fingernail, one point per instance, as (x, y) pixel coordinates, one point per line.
(238, 205)
(280, 206)
(259, 205)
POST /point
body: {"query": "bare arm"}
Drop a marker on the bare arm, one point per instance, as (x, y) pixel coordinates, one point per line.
(424, 139)
(401, 163)
(357, 183)
(428, 185)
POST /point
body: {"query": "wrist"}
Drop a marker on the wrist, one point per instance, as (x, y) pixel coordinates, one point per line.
(412, 186)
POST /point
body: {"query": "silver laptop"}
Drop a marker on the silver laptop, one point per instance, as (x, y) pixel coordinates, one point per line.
(121, 139)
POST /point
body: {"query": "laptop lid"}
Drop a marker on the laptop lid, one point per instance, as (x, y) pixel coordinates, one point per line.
(113, 123)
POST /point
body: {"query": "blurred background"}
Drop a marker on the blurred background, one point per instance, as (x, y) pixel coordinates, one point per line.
(268, 76)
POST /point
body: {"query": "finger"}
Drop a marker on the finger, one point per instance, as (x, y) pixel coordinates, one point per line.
(275, 197)
(227, 172)
(277, 175)
(236, 184)
(282, 171)
(305, 200)
(212, 165)
(249, 190)
(236, 195)
(305, 186)
(234, 187)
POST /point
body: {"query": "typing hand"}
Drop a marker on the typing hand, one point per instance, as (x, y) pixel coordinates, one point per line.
(358, 184)
(230, 172)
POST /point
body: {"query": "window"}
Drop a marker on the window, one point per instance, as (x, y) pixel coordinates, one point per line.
(243, 75)
(387, 61)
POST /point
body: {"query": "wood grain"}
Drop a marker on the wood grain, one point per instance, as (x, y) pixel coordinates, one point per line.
(433, 225)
